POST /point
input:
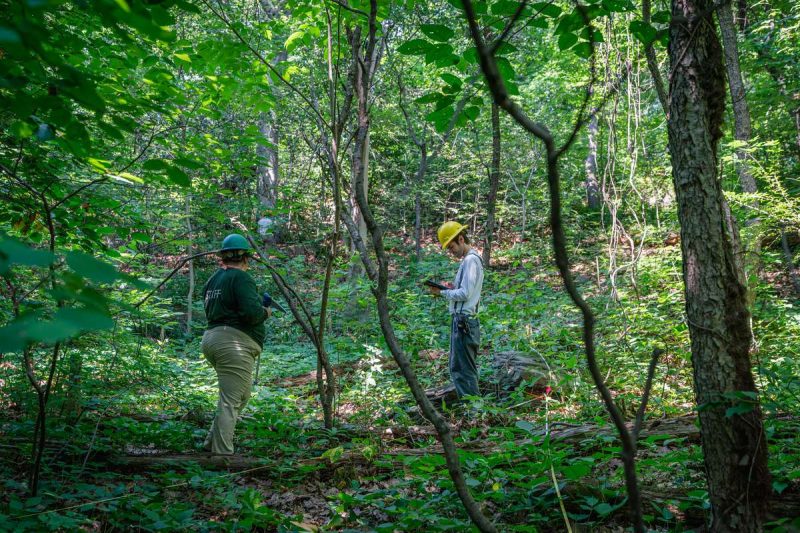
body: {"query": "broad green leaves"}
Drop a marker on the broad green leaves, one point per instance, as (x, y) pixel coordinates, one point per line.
(437, 32)
(75, 305)
(647, 33)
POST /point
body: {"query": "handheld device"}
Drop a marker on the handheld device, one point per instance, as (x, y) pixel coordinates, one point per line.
(431, 283)
(267, 301)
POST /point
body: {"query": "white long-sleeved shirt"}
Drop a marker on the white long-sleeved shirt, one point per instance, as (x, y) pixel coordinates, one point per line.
(465, 296)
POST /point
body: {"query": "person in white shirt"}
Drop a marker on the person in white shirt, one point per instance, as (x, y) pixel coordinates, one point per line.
(265, 229)
(463, 300)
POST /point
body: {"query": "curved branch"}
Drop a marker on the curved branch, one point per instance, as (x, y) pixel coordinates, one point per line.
(501, 97)
(174, 271)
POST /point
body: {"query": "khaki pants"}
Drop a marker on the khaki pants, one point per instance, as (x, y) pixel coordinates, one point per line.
(232, 353)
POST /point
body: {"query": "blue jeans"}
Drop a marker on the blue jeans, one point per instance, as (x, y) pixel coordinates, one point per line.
(465, 337)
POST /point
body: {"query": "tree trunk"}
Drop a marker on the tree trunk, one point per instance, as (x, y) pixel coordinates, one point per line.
(734, 446)
(421, 170)
(190, 294)
(741, 14)
(652, 63)
(741, 114)
(268, 171)
(592, 185)
(494, 184)
(418, 225)
(268, 177)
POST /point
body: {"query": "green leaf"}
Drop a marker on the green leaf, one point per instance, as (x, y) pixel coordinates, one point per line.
(179, 177)
(294, 40)
(525, 425)
(779, 486)
(505, 7)
(644, 33)
(155, 164)
(437, 32)
(189, 163)
(450, 79)
(441, 118)
(547, 9)
(506, 69)
(583, 50)
(9, 36)
(539, 23)
(567, 40)
(471, 112)
(438, 51)
(739, 409)
(13, 252)
(570, 23)
(21, 129)
(577, 470)
(415, 47)
(91, 268)
(596, 35)
(662, 17)
(429, 98)
(183, 57)
(603, 509)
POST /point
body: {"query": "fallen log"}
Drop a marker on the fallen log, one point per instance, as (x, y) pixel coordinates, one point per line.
(228, 462)
(510, 369)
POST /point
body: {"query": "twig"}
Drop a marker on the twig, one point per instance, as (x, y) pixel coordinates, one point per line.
(174, 271)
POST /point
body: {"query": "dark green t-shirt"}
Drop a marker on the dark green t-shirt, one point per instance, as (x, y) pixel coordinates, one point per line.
(231, 299)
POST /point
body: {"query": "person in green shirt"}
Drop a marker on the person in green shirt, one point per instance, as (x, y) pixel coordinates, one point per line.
(233, 338)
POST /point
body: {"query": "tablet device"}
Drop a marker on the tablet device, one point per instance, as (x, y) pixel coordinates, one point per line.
(439, 286)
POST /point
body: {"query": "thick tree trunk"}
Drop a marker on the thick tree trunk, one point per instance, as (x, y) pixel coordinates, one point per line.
(592, 185)
(734, 446)
(494, 184)
(268, 172)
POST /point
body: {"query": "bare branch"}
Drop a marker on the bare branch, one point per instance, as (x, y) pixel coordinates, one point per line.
(651, 370)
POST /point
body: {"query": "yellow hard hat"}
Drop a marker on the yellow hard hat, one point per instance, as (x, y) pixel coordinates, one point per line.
(448, 231)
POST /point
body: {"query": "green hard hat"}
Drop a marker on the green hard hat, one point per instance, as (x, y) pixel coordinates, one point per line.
(234, 241)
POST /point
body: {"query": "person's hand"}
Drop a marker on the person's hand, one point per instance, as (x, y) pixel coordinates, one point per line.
(269, 311)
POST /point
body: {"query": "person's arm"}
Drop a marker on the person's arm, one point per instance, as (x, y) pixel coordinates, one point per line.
(250, 308)
(468, 282)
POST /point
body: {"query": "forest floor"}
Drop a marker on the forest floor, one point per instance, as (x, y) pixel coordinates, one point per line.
(129, 459)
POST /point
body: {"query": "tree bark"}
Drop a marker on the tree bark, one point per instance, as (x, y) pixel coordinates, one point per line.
(267, 171)
(494, 184)
(734, 446)
(421, 170)
(741, 114)
(190, 292)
